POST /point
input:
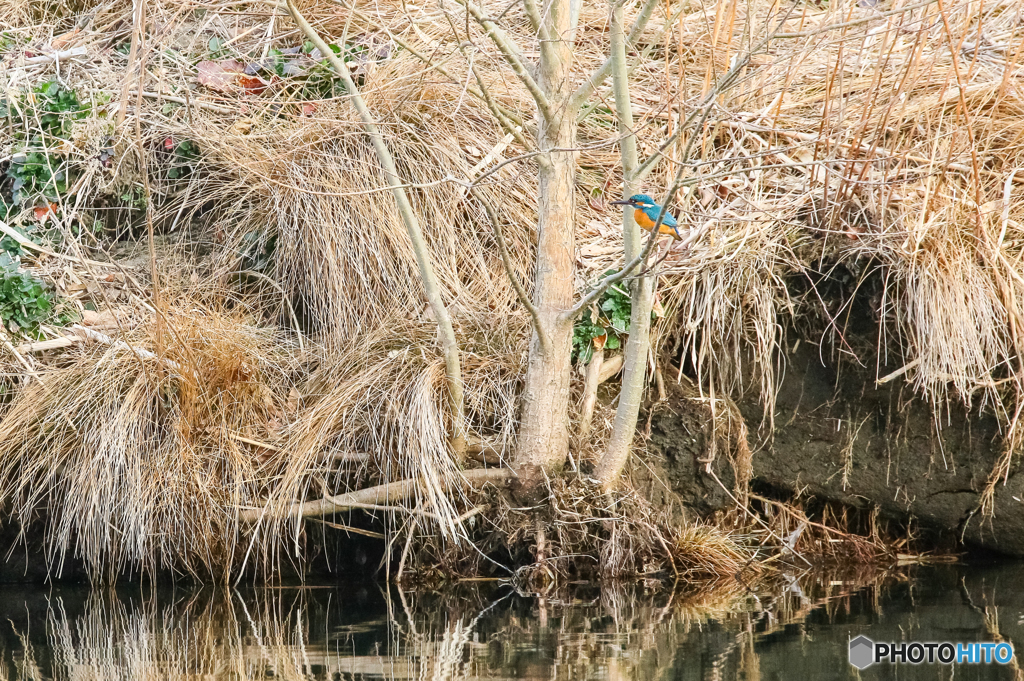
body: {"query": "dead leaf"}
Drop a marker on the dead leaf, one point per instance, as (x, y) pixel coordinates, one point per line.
(65, 39)
(220, 75)
(292, 404)
(252, 84)
(93, 318)
(243, 126)
(309, 108)
(657, 309)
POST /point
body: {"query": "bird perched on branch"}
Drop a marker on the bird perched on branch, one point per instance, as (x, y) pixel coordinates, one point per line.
(646, 213)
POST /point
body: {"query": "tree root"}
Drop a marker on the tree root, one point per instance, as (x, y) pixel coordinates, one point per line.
(382, 494)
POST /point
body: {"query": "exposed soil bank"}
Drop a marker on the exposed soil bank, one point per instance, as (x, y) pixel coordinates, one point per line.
(839, 436)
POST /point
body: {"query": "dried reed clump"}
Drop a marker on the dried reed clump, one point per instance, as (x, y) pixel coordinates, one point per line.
(377, 414)
(727, 305)
(138, 462)
(341, 250)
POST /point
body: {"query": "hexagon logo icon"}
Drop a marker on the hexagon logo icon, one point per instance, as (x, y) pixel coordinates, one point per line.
(862, 652)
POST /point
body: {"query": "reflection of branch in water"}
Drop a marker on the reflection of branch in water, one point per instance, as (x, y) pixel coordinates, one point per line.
(990, 619)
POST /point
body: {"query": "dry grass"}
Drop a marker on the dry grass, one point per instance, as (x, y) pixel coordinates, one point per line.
(385, 397)
(137, 463)
(837, 145)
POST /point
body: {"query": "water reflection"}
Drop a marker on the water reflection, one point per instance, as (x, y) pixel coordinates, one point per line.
(789, 628)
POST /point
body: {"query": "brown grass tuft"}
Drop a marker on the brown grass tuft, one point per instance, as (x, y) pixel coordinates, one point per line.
(137, 463)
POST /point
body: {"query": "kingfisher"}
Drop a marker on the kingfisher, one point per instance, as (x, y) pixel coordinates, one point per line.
(646, 212)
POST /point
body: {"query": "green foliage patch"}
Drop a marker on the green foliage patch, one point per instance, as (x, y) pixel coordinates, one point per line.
(25, 302)
(316, 79)
(41, 121)
(608, 318)
(185, 156)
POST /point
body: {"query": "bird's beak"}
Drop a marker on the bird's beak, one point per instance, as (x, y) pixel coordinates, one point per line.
(621, 203)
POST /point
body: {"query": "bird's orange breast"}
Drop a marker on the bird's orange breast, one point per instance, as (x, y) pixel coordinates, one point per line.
(643, 220)
(647, 223)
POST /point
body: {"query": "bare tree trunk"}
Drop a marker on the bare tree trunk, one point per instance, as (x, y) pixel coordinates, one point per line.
(641, 292)
(544, 434)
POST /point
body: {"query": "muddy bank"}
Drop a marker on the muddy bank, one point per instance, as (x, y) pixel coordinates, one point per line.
(840, 436)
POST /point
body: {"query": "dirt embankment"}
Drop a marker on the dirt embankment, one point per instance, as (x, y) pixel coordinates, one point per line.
(841, 436)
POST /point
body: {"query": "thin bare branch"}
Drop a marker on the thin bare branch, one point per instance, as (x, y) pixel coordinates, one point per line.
(499, 237)
(419, 245)
(512, 54)
(506, 124)
(602, 72)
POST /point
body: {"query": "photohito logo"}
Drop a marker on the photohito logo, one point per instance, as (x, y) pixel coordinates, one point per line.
(864, 652)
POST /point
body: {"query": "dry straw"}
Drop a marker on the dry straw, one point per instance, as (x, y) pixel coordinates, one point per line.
(889, 133)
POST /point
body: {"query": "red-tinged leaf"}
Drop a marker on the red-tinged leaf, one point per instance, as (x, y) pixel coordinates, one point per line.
(169, 144)
(309, 108)
(41, 213)
(220, 75)
(657, 308)
(252, 84)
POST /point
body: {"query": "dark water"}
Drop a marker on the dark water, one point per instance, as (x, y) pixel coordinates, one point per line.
(791, 627)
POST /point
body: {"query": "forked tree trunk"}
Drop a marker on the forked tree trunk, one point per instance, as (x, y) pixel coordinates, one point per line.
(543, 441)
